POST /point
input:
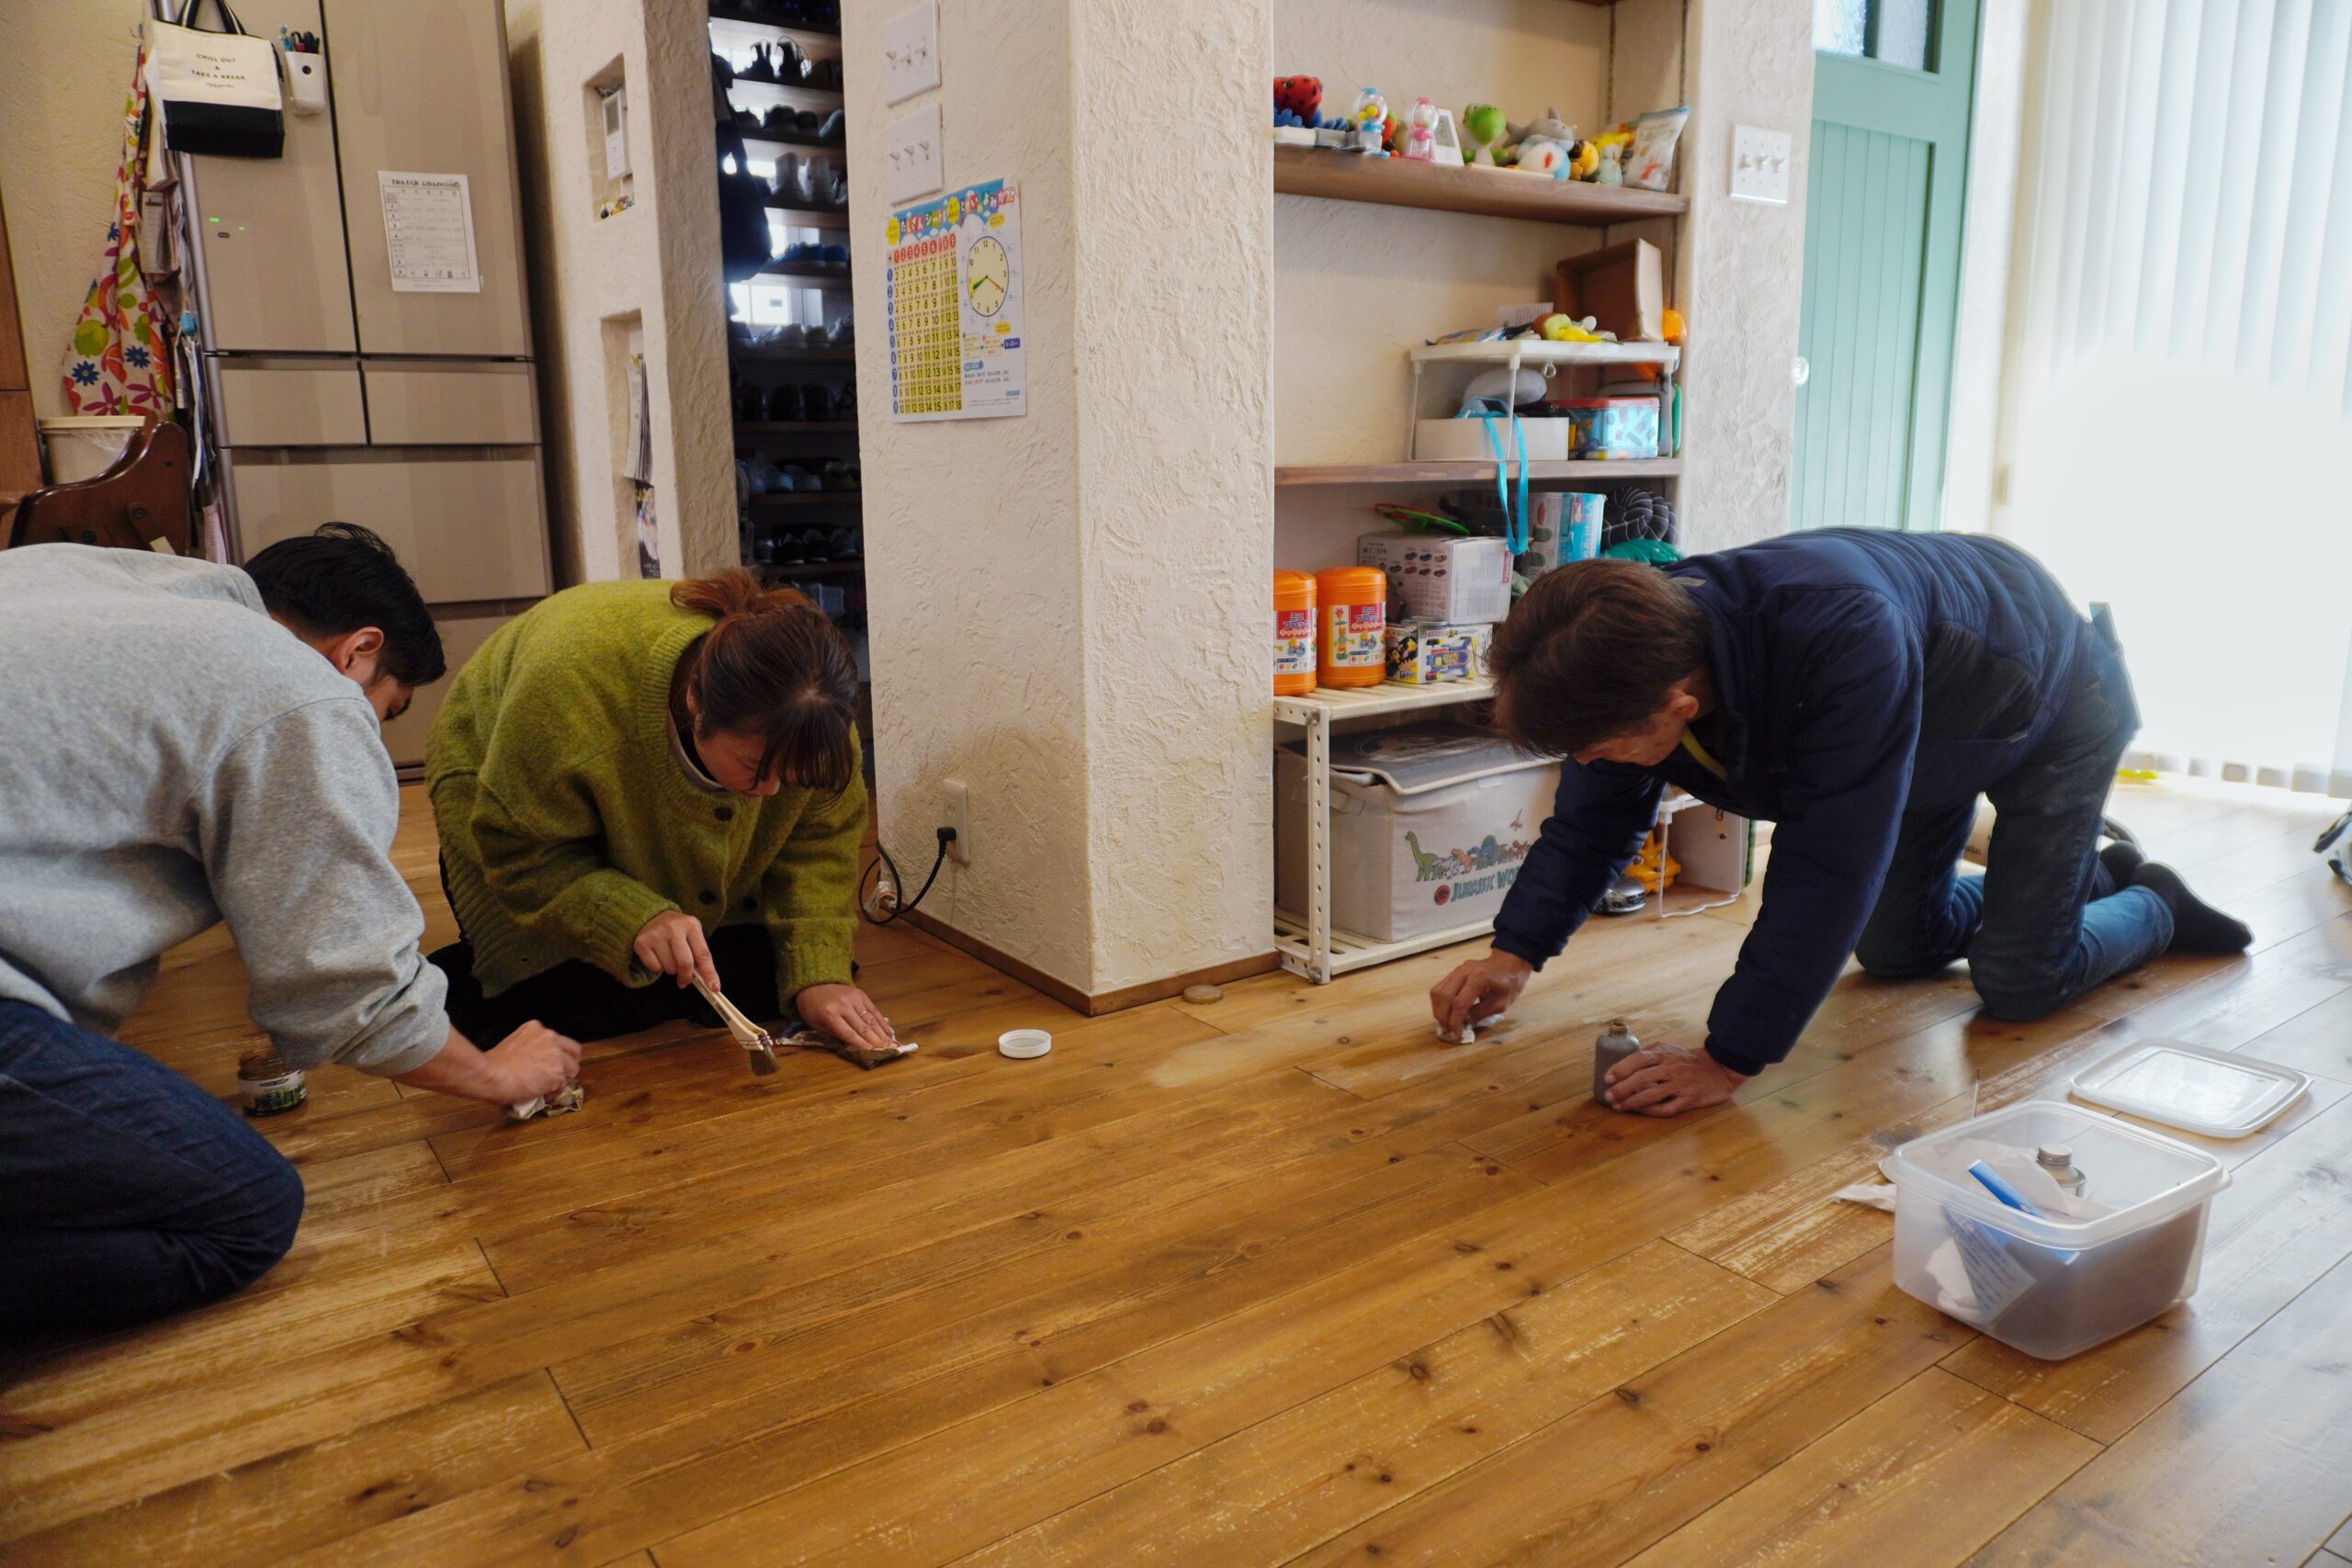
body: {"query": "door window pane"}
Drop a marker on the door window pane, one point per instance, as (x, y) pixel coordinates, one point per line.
(1840, 27)
(1899, 32)
(1903, 32)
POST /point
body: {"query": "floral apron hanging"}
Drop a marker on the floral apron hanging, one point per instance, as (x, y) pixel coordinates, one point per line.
(120, 361)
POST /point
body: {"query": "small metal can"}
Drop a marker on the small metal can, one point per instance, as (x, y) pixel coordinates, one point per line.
(268, 1085)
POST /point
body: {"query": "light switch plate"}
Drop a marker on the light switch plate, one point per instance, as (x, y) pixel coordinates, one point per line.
(1759, 164)
(910, 52)
(914, 155)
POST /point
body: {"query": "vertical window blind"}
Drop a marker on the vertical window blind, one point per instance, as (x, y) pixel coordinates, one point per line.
(2176, 430)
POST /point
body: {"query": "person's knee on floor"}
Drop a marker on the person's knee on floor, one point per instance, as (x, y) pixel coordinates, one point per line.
(1886, 957)
(248, 1242)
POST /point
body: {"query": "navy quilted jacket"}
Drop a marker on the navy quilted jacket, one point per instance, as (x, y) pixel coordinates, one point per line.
(1860, 674)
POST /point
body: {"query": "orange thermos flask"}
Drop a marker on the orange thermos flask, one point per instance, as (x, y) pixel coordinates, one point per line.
(1351, 602)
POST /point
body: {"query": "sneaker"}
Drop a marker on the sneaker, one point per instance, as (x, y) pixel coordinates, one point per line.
(812, 179)
(818, 402)
(786, 405)
(833, 256)
(793, 67)
(843, 332)
(802, 480)
(830, 131)
(778, 121)
(839, 194)
(845, 400)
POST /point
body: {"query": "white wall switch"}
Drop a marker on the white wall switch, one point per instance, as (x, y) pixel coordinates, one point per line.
(910, 52)
(1759, 164)
(914, 155)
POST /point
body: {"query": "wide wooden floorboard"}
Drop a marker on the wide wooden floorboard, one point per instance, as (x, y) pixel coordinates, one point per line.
(1277, 1278)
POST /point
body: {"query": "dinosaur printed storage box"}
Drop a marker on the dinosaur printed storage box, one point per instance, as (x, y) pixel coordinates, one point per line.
(1430, 826)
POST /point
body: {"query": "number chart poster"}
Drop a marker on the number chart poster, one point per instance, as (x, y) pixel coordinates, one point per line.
(953, 294)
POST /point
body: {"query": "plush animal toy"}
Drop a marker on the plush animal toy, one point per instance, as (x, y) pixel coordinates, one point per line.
(1550, 128)
(1541, 155)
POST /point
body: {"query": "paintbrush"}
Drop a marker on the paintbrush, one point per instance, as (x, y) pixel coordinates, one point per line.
(759, 1047)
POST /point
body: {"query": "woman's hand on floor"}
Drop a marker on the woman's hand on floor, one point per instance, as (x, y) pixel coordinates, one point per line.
(537, 1062)
(672, 943)
(846, 1013)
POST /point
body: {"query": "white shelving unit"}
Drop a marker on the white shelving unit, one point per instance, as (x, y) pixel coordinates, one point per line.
(1314, 947)
(1521, 353)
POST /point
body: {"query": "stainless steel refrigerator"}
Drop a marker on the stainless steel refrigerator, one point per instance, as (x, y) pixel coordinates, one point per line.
(365, 338)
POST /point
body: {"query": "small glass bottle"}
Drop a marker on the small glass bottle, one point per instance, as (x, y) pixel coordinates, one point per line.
(2058, 1160)
(1616, 1043)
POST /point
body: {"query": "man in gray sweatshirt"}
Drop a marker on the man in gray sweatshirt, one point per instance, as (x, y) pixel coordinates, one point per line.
(182, 743)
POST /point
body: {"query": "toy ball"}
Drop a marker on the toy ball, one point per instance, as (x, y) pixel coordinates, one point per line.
(1302, 95)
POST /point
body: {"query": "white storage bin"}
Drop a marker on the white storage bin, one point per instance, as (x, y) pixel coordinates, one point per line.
(1443, 577)
(2059, 1284)
(1465, 440)
(1430, 826)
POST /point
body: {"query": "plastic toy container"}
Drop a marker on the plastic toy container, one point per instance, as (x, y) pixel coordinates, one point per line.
(1351, 645)
(2088, 1268)
(1294, 634)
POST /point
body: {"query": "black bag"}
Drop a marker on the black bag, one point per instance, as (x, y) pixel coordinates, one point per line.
(742, 213)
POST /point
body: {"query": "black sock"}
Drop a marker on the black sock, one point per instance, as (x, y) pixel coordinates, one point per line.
(2196, 926)
(2122, 860)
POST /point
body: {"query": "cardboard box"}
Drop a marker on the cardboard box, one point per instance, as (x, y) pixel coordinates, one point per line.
(1428, 653)
(1441, 577)
(1622, 287)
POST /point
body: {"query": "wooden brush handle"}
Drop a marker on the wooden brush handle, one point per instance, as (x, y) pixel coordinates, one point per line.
(747, 1034)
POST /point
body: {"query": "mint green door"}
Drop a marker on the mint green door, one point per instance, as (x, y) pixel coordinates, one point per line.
(1890, 93)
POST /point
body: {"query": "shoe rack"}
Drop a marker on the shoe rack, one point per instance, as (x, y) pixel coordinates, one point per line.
(792, 368)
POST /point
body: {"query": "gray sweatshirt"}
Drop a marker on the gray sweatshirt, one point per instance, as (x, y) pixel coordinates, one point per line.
(170, 757)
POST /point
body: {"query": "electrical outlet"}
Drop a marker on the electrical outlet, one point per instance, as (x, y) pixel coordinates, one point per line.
(910, 52)
(955, 811)
(914, 155)
(1759, 164)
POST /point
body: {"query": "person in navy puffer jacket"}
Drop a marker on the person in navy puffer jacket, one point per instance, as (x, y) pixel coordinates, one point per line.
(1859, 688)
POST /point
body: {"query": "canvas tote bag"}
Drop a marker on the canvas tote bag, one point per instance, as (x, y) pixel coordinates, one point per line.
(218, 91)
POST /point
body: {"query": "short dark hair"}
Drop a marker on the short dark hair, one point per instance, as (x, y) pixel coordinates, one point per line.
(341, 576)
(1589, 652)
(775, 666)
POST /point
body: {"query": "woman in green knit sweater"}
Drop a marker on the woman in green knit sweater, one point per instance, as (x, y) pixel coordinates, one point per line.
(641, 780)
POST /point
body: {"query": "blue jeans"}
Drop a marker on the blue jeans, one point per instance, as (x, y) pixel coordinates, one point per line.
(2044, 923)
(125, 1192)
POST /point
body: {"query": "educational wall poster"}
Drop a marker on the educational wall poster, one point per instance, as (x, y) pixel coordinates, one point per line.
(429, 232)
(953, 293)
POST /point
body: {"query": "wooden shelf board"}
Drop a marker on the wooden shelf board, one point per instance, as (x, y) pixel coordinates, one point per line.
(1474, 473)
(782, 572)
(793, 500)
(792, 92)
(824, 276)
(755, 139)
(777, 352)
(768, 28)
(811, 217)
(795, 426)
(1496, 192)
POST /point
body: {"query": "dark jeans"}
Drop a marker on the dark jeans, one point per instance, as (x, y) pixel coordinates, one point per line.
(585, 1002)
(2043, 923)
(125, 1192)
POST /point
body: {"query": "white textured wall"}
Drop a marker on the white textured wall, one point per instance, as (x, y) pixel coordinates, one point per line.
(1063, 602)
(1987, 233)
(658, 260)
(1748, 62)
(65, 72)
(1175, 426)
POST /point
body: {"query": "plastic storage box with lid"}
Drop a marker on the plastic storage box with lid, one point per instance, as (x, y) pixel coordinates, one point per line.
(2084, 1271)
(2215, 1094)
(1443, 577)
(1429, 825)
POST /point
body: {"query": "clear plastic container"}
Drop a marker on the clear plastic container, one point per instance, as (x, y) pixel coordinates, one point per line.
(2087, 1269)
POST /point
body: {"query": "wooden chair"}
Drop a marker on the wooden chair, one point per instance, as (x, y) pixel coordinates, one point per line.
(141, 504)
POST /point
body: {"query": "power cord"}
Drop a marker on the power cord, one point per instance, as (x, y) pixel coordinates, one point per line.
(886, 894)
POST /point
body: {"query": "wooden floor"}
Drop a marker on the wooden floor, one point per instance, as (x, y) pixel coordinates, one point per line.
(1273, 1280)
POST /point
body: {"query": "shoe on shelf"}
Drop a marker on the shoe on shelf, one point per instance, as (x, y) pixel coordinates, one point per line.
(786, 405)
(750, 404)
(779, 121)
(843, 332)
(838, 197)
(845, 400)
(803, 481)
(809, 181)
(818, 402)
(786, 188)
(747, 122)
(830, 131)
(793, 68)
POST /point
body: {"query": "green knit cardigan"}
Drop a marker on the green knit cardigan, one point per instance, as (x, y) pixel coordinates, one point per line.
(566, 822)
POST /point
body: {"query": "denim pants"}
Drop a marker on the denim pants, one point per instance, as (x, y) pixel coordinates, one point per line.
(125, 1192)
(2044, 923)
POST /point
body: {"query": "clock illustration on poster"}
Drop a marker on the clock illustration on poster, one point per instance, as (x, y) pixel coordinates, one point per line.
(987, 275)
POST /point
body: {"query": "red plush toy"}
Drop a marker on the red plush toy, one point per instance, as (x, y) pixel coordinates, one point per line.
(1303, 95)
